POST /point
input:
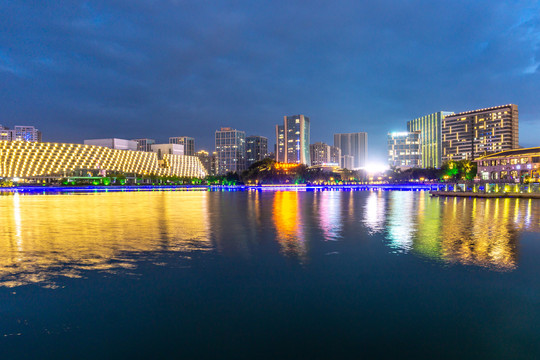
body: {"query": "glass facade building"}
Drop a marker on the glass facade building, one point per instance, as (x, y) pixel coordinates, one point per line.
(404, 149)
(231, 150)
(144, 144)
(292, 140)
(430, 127)
(256, 149)
(188, 142)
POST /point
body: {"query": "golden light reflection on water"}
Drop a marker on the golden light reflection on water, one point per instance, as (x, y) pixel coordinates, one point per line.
(48, 236)
(44, 237)
(482, 232)
(287, 217)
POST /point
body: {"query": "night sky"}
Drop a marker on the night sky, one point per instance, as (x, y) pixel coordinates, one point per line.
(156, 69)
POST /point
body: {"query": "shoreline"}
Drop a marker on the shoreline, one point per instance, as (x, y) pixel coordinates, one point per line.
(471, 194)
(433, 189)
(278, 187)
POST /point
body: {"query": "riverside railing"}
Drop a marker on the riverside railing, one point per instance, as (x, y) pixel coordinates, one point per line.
(491, 188)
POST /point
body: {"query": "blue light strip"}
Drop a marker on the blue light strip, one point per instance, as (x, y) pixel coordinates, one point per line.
(104, 189)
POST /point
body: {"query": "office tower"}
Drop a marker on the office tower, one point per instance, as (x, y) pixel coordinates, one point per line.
(188, 142)
(214, 165)
(231, 150)
(335, 155)
(355, 145)
(113, 143)
(292, 140)
(20, 133)
(472, 134)
(404, 149)
(256, 149)
(144, 144)
(206, 161)
(320, 153)
(430, 136)
(209, 161)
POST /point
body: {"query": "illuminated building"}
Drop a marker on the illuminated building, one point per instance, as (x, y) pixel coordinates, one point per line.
(472, 134)
(511, 165)
(188, 142)
(210, 162)
(231, 150)
(31, 160)
(113, 143)
(320, 153)
(292, 140)
(256, 149)
(355, 145)
(430, 136)
(324, 154)
(335, 155)
(20, 133)
(404, 149)
(144, 144)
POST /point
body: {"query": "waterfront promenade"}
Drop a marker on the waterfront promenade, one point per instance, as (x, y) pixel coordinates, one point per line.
(105, 189)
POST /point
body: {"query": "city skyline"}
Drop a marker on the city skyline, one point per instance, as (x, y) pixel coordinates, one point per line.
(113, 78)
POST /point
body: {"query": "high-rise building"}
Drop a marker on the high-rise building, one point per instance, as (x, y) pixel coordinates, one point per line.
(188, 142)
(292, 140)
(256, 149)
(144, 144)
(231, 150)
(335, 155)
(472, 134)
(347, 162)
(20, 133)
(355, 145)
(404, 149)
(430, 136)
(209, 161)
(320, 153)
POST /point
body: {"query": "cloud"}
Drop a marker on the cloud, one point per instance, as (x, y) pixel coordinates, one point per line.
(161, 69)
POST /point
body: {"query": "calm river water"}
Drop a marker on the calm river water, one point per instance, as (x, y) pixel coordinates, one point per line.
(276, 275)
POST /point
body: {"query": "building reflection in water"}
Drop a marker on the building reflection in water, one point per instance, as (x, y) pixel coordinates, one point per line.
(375, 212)
(401, 223)
(48, 236)
(288, 222)
(481, 232)
(329, 209)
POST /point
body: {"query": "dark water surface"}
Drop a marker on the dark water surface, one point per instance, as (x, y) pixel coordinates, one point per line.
(273, 275)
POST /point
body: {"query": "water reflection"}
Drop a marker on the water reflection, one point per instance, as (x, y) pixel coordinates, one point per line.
(48, 236)
(401, 223)
(44, 237)
(287, 217)
(374, 212)
(329, 212)
(481, 232)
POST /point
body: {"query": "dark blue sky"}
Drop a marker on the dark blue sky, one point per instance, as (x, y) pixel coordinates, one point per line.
(156, 69)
